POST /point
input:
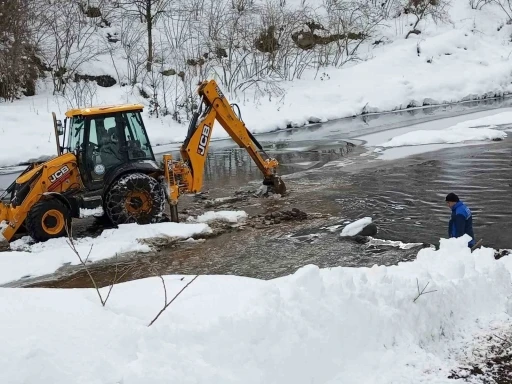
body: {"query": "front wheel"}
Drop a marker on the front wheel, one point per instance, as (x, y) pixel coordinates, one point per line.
(48, 219)
(135, 198)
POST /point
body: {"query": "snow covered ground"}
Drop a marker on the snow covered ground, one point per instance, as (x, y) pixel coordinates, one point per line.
(30, 260)
(227, 216)
(336, 325)
(466, 58)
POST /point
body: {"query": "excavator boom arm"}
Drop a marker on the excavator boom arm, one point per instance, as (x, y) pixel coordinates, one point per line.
(187, 175)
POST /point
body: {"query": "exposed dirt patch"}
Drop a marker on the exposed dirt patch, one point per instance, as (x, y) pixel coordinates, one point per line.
(492, 361)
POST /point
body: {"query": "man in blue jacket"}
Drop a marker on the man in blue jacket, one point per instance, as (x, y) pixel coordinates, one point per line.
(461, 221)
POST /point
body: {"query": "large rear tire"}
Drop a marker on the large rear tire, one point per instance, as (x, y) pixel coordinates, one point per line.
(47, 219)
(135, 198)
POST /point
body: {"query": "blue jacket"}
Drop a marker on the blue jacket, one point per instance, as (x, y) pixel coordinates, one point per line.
(461, 222)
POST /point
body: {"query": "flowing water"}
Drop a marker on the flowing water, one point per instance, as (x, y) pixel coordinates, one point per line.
(327, 175)
(405, 198)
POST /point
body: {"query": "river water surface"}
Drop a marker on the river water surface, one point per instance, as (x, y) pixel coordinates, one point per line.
(336, 176)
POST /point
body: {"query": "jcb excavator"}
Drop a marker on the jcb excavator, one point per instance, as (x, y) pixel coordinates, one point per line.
(105, 159)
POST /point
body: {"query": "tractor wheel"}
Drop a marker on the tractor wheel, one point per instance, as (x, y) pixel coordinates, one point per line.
(47, 219)
(135, 198)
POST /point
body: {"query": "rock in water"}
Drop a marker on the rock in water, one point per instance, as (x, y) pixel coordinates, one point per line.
(360, 239)
(4, 245)
(361, 227)
(369, 230)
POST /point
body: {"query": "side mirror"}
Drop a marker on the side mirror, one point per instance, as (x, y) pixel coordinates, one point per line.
(60, 128)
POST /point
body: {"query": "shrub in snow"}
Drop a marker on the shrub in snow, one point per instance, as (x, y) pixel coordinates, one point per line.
(422, 9)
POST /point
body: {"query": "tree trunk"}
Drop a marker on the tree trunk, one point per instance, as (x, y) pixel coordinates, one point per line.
(149, 23)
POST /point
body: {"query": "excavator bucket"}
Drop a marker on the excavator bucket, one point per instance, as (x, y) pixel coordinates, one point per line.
(276, 186)
(279, 186)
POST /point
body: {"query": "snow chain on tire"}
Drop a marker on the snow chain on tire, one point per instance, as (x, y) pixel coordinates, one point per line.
(135, 198)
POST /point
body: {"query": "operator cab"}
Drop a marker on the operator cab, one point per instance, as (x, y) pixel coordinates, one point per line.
(105, 138)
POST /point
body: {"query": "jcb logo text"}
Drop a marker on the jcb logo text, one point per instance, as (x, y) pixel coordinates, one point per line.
(203, 141)
(57, 175)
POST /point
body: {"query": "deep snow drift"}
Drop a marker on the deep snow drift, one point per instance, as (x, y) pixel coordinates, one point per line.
(337, 325)
(467, 58)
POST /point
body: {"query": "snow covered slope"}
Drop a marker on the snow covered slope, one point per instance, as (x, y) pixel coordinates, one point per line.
(466, 57)
(338, 325)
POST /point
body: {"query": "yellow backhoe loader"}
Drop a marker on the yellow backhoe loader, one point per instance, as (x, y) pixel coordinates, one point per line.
(104, 158)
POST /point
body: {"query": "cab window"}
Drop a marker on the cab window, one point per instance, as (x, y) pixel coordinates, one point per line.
(76, 133)
(136, 139)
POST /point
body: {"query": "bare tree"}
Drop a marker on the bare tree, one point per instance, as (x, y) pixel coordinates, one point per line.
(80, 94)
(183, 61)
(479, 4)
(229, 34)
(352, 23)
(386, 7)
(422, 9)
(132, 48)
(148, 11)
(68, 42)
(281, 56)
(17, 69)
(506, 7)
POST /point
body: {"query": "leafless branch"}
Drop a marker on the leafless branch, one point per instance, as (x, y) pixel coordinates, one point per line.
(422, 292)
(149, 12)
(71, 244)
(506, 7)
(167, 304)
(83, 262)
(479, 4)
(436, 9)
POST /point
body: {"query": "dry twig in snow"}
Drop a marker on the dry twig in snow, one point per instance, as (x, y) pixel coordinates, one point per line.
(116, 279)
(167, 304)
(422, 292)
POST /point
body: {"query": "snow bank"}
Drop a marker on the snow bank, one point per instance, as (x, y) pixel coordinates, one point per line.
(26, 260)
(481, 129)
(229, 216)
(354, 228)
(446, 136)
(336, 325)
(439, 134)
